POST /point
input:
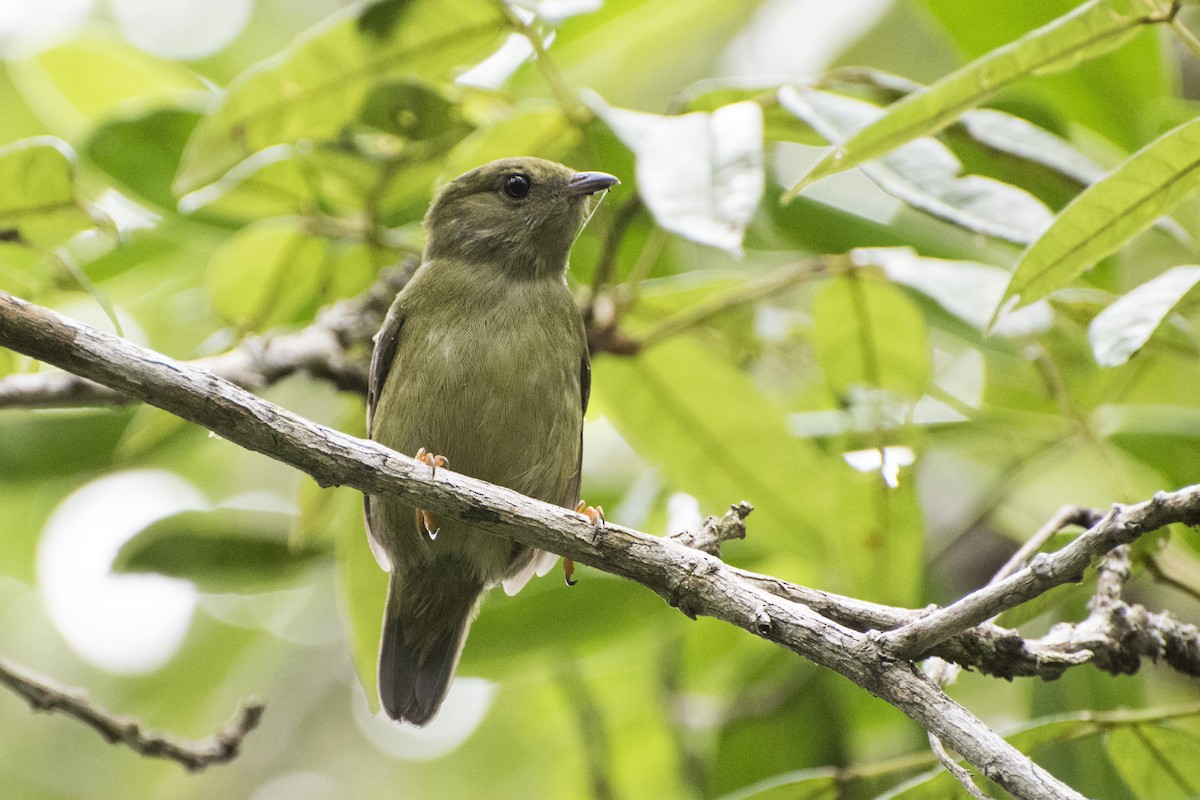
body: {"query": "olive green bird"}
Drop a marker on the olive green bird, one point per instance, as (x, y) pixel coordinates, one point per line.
(482, 360)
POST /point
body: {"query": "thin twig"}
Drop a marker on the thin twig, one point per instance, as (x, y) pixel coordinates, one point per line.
(219, 748)
(771, 283)
(1186, 36)
(959, 772)
(577, 112)
(607, 262)
(1119, 526)
(593, 736)
(1168, 575)
(1065, 517)
(717, 530)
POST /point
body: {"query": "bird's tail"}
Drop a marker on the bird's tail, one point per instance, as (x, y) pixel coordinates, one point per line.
(424, 628)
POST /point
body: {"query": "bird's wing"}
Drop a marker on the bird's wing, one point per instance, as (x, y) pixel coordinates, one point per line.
(585, 391)
(386, 342)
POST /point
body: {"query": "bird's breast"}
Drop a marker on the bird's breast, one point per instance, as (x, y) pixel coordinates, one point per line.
(498, 394)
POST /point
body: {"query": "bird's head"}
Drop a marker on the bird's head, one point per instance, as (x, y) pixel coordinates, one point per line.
(519, 214)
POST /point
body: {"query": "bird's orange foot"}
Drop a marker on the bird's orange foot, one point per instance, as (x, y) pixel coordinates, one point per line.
(425, 520)
(433, 461)
(596, 515)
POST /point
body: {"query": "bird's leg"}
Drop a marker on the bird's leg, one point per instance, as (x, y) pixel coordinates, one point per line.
(596, 515)
(425, 520)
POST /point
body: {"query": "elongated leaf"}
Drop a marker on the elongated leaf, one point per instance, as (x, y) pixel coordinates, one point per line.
(1120, 330)
(967, 289)
(1110, 213)
(714, 434)
(938, 784)
(1157, 762)
(701, 175)
(1097, 93)
(39, 206)
(869, 334)
(320, 83)
(1090, 30)
(808, 784)
(925, 174)
(222, 550)
(1018, 137)
(998, 131)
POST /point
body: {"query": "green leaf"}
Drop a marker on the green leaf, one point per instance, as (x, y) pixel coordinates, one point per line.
(362, 585)
(319, 84)
(1157, 762)
(39, 206)
(272, 182)
(925, 173)
(411, 109)
(713, 433)
(938, 784)
(805, 784)
(1096, 94)
(700, 175)
(269, 273)
(967, 289)
(84, 82)
(998, 131)
(1109, 213)
(142, 151)
(882, 534)
(222, 550)
(1013, 136)
(868, 334)
(530, 129)
(1090, 30)
(1120, 330)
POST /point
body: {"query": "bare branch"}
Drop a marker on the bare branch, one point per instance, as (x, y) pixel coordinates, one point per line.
(1064, 518)
(219, 748)
(1121, 525)
(694, 581)
(716, 532)
(1116, 636)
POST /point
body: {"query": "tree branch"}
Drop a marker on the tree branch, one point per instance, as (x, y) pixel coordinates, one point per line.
(335, 347)
(1122, 525)
(219, 748)
(694, 581)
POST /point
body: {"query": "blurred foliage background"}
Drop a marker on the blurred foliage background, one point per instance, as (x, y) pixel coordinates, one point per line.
(195, 173)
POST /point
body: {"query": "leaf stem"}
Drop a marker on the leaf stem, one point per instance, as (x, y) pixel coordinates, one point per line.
(578, 113)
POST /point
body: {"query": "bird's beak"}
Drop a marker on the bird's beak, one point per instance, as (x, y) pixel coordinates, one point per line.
(590, 183)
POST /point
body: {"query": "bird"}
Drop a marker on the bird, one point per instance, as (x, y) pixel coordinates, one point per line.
(481, 364)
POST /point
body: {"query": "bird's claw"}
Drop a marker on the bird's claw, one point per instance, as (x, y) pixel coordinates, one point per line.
(426, 457)
(428, 523)
(596, 515)
(593, 513)
(426, 520)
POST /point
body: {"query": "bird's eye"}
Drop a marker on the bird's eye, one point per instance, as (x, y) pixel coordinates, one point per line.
(517, 186)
